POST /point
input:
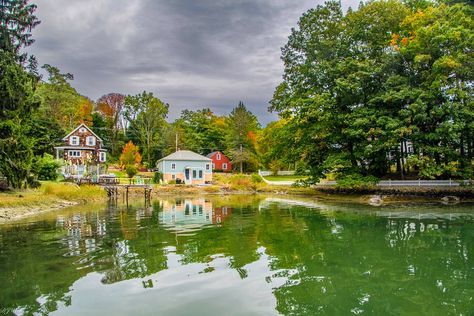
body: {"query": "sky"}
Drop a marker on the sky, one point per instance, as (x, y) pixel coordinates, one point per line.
(190, 53)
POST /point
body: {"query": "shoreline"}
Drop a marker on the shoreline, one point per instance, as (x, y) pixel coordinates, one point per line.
(365, 196)
(14, 213)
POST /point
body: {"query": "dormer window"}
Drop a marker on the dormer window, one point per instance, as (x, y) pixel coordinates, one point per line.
(218, 156)
(74, 140)
(90, 141)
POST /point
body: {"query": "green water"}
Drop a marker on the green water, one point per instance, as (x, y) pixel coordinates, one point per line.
(240, 255)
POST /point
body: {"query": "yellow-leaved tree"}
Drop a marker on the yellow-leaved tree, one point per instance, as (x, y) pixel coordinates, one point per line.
(130, 155)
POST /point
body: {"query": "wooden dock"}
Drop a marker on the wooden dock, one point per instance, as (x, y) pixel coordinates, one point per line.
(113, 190)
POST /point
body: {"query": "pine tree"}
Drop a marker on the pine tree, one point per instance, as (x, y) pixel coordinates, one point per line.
(17, 101)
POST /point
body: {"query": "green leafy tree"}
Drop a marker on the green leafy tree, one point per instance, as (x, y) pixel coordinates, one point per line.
(204, 132)
(146, 115)
(358, 87)
(59, 100)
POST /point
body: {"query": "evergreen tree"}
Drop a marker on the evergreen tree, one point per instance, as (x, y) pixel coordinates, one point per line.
(17, 101)
(241, 136)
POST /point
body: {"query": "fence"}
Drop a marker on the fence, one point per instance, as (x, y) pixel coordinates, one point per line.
(265, 173)
(394, 183)
(413, 183)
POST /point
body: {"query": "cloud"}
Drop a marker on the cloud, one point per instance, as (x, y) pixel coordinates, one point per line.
(191, 54)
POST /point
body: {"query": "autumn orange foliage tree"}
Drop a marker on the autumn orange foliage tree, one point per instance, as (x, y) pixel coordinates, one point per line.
(130, 155)
(111, 106)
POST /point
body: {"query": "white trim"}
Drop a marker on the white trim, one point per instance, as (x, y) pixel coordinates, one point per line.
(74, 141)
(102, 156)
(88, 138)
(74, 154)
(83, 125)
(224, 166)
(218, 156)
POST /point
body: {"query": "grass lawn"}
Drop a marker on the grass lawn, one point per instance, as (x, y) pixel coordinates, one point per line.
(285, 178)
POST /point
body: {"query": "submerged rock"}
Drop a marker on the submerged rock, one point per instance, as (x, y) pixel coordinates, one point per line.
(375, 200)
(450, 199)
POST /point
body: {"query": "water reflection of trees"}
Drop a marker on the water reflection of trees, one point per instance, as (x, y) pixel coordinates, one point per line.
(334, 261)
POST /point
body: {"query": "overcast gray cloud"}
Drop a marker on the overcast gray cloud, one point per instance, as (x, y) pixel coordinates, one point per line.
(191, 54)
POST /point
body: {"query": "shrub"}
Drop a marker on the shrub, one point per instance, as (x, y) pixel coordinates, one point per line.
(256, 178)
(172, 182)
(357, 181)
(212, 189)
(131, 170)
(157, 177)
(46, 167)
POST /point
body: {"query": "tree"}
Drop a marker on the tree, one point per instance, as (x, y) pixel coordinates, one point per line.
(111, 106)
(242, 126)
(17, 19)
(276, 145)
(358, 87)
(61, 101)
(146, 115)
(17, 102)
(130, 155)
(204, 132)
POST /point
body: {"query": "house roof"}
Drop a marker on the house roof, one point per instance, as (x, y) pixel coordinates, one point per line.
(83, 125)
(209, 155)
(185, 155)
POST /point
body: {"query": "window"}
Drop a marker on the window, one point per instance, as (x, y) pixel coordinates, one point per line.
(90, 141)
(218, 156)
(194, 174)
(207, 166)
(200, 174)
(224, 166)
(102, 157)
(173, 166)
(213, 166)
(74, 153)
(82, 130)
(173, 176)
(74, 140)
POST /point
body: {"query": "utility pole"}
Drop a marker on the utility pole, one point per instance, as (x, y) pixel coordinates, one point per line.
(241, 162)
(176, 142)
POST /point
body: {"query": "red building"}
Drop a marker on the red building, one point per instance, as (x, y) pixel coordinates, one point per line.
(220, 161)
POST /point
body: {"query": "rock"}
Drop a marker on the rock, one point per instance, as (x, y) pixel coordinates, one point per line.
(375, 200)
(450, 199)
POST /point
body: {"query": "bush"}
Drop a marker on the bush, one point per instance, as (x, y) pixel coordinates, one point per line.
(46, 167)
(157, 177)
(256, 178)
(131, 170)
(172, 182)
(357, 181)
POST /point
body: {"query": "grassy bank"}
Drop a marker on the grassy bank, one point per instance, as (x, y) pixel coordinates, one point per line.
(50, 192)
(466, 193)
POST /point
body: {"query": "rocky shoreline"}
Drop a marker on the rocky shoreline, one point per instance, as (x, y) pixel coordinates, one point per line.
(10, 214)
